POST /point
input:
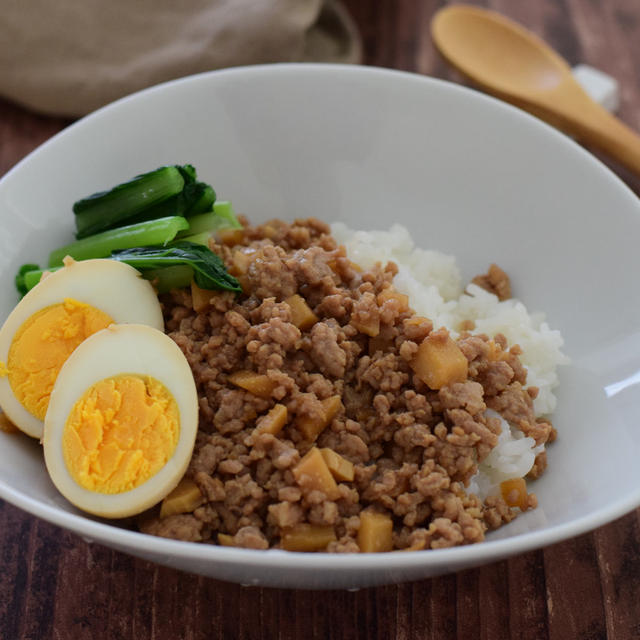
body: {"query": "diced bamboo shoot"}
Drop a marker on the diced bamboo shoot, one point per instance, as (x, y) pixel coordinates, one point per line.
(416, 321)
(514, 493)
(240, 261)
(417, 328)
(439, 361)
(341, 253)
(312, 473)
(257, 383)
(185, 498)
(311, 427)
(416, 546)
(390, 294)
(370, 326)
(307, 537)
(273, 421)
(496, 352)
(225, 540)
(301, 314)
(201, 298)
(374, 534)
(230, 237)
(341, 468)
(331, 406)
(245, 283)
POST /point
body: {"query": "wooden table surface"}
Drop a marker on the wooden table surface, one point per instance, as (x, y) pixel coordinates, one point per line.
(53, 585)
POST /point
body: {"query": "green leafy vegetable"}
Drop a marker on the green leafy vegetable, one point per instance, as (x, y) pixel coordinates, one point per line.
(107, 209)
(178, 276)
(21, 285)
(31, 278)
(187, 171)
(225, 216)
(209, 271)
(199, 197)
(222, 217)
(135, 221)
(195, 198)
(164, 279)
(100, 245)
(198, 238)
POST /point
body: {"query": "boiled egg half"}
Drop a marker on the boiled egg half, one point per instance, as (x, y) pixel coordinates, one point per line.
(122, 420)
(55, 317)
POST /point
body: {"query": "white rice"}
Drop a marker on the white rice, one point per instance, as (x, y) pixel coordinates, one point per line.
(512, 457)
(433, 282)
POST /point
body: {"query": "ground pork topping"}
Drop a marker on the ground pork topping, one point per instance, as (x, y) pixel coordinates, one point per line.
(495, 281)
(319, 429)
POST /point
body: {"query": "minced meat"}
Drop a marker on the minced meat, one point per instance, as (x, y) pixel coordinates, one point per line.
(412, 449)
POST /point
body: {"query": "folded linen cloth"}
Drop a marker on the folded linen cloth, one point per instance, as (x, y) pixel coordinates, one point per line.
(70, 57)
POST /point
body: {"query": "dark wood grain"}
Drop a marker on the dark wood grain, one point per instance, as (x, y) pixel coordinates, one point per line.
(55, 585)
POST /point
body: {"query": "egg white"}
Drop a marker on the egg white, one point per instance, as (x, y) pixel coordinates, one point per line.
(121, 349)
(114, 287)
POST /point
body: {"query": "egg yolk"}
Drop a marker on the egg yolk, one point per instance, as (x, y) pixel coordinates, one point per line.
(120, 433)
(41, 346)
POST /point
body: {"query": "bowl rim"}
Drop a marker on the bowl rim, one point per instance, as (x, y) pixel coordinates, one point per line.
(437, 559)
(478, 553)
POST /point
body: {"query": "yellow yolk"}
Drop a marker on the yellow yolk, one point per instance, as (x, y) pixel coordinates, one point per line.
(120, 433)
(41, 346)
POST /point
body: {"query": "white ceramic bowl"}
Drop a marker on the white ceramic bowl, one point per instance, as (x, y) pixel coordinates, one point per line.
(467, 174)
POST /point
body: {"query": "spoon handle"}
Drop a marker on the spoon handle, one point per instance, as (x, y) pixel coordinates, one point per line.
(595, 126)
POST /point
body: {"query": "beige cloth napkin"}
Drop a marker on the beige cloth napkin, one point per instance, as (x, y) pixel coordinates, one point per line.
(69, 57)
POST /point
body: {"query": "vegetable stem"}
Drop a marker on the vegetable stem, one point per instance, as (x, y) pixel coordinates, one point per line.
(21, 278)
(199, 238)
(222, 217)
(102, 244)
(167, 278)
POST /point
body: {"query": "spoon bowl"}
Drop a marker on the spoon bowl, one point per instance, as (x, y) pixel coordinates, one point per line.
(475, 41)
(510, 62)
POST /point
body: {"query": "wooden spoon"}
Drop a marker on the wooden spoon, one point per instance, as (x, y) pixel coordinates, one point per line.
(515, 65)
